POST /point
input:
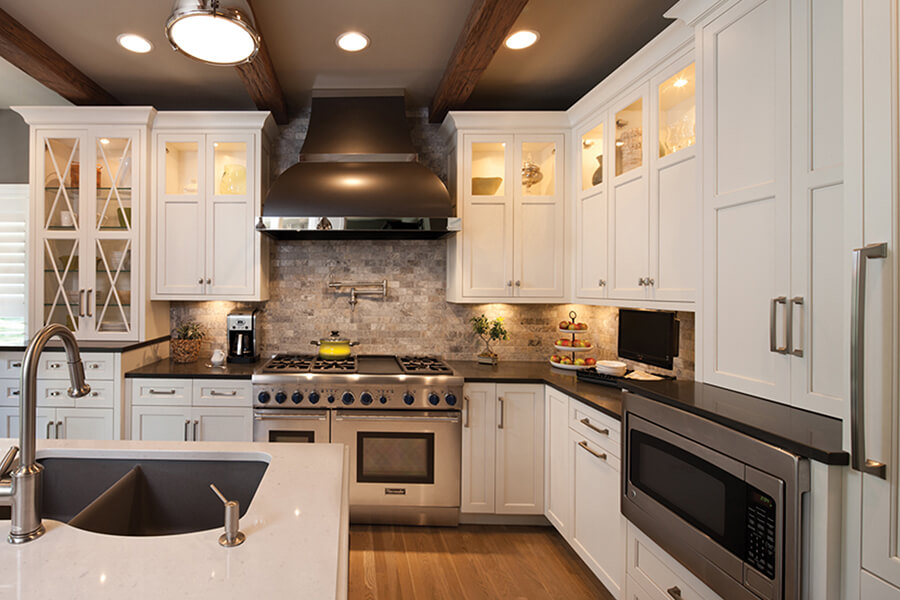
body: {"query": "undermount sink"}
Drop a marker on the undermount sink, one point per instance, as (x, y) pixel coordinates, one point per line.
(144, 497)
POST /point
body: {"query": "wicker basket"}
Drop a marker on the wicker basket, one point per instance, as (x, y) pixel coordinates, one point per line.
(185, 351)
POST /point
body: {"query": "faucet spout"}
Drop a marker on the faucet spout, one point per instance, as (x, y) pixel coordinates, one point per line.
(26, 479)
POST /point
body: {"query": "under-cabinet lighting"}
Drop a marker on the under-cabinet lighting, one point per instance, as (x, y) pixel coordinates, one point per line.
(522, 39)
(352, 41)
(134, 43)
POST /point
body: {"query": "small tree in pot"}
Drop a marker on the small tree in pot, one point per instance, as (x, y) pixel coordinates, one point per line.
(186, 340)
(489, 331)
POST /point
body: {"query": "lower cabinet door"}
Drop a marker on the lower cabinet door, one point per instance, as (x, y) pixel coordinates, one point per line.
(597, 525)
(635, 592)
(478, 440)
(519, 480)
(161, 423)
(84, 423)
(222, 425)
(557, 481)
(45, 424)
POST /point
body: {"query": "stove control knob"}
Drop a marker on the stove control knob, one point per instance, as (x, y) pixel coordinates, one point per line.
(383, 399)
(296, 397)
(434, 399)
(366, 398)
(408, 399)
(314, 397)
(451, 399)
(330, 398)
(347, 398)
(280, 397)
(264, 397)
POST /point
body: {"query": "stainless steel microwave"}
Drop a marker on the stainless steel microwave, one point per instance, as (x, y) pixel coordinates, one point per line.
(724, 504)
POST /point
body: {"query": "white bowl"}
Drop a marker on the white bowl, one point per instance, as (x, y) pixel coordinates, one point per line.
(615, 368)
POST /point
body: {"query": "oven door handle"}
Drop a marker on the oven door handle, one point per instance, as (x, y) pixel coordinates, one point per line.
(288, 417)
(416, 419)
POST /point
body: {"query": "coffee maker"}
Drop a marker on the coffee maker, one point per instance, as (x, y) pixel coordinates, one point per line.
(242, 342)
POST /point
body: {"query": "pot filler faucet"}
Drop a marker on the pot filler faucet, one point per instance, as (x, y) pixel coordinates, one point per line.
(22, 489)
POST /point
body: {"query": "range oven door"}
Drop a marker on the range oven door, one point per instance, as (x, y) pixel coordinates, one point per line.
(401, 460)
(697, 501)
(291, 426)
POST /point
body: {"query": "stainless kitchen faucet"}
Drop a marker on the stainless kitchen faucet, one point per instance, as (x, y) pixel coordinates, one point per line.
(23, 487)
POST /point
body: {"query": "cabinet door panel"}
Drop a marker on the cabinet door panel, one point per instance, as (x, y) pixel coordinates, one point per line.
(46, 417)
(478, 451)
(675, 255)
(160, 423)
(85, 423)
(557, 480)
(487, 248)
(520, 449)
(539, 248)
(592, 224)
(223, 424)
(630, 239)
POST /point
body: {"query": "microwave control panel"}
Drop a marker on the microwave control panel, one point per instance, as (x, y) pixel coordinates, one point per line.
(761, 532)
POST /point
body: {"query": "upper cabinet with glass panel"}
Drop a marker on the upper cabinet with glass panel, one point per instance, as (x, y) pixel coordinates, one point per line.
(630, 137)
(182, 168)
(677, 112)
(592, 158)
(538, 168)
(61, 183)
(230, 173)
(488, 168)
(114, 172)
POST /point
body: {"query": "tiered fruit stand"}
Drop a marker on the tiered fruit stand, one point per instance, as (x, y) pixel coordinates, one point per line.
(574, 329)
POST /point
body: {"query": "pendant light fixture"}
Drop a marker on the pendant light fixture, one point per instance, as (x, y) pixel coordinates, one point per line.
(213, 32)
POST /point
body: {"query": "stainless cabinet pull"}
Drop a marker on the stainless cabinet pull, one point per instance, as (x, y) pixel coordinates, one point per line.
(509, 283)
(200, 281)
(773, 327)
(215, 393)
(54, 365)
(16, 365)
(798, 351)
(208, 281)
(186, 423)
(650, 281)
(500, 424)
(641, 281)
(600, 455)
(587, 423)
(58, 425)
(80, 303)
(54, 394)
(90, 311)
(162, 392)
(14, 393)
(95, 394)
(858, 458)
(675, 592)
(601, 283)
(196, 431)
(49, 425)
(466, 410)
(93, 366)
(518, 283)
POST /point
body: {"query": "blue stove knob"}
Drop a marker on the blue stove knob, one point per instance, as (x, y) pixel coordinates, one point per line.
(408, 399)
(366, 398)
(280, 397)
(434, 399)
(314, 397)
(347, 398)
(383, 399)
(330, 398)
(264, 397)
(450, 399)
(296, 397)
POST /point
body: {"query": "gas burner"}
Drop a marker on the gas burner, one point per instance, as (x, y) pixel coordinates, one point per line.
(289, 363)
(341, 365)
(424, 365)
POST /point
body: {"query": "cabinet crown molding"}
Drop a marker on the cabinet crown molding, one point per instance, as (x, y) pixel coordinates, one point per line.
(691, 12)
(489, 121)
(80, 116)
(194, 120)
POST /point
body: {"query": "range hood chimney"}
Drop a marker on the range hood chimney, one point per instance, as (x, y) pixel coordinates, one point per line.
(357, 178)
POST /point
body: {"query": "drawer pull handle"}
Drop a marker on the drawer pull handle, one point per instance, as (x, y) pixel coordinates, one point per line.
(93, 365)
(49, 425)
(16, 365)
(466, 410)
(196, 437)
(54, 365)
(675, 592)
(587, 423)
(58, 425)
(162, 392)
(186, 423)
(54, 394)
(14, 393)
(600, 455)
(500, 424)
(95, 394)
(231, 393)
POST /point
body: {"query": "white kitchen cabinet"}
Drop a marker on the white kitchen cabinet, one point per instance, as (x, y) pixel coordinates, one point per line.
(557, 475)
(88, 222)
(210, 176)
(512, 244)
(503, 449)
(63, 423)
(191, 410)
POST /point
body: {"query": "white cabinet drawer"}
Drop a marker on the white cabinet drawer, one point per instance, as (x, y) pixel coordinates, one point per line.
(9, 392)
(660, 574)
(219, 392)
(56, 394)
(161, 392)
(53, 365)
(11, 364)
(598, 428)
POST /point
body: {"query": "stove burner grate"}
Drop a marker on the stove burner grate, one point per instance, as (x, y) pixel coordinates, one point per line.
(424, 365)
(289, 363)
(341, 365)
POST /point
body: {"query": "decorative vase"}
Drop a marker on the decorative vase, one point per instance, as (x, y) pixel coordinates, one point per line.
(597, 177)
(234, 180)
(488, 357)
(185, 351)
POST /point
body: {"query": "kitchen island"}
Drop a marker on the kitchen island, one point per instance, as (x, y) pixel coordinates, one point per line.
(296, 528)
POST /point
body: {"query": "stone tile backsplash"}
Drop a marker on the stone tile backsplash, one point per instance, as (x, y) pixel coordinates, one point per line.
(415, 318)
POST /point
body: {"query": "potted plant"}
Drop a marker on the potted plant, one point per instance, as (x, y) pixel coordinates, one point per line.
(185, 342)
(489, 331)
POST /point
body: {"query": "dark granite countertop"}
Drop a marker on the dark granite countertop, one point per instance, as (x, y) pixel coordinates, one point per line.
(94, 346)
(796, 430)
(199, 369)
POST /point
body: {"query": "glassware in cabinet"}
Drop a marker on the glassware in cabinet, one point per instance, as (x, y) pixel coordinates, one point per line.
(629, 137)
(488, 168)
(538, 168)
(677, 112)
(592, 158)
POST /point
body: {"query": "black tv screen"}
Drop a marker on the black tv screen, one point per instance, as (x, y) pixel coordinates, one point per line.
(648, 336)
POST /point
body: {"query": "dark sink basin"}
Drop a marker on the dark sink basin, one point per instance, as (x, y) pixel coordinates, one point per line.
(139, 497)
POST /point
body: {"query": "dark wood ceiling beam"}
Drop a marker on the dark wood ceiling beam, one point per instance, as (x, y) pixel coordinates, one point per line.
(262, 83)
(486, 27)
(30, 54)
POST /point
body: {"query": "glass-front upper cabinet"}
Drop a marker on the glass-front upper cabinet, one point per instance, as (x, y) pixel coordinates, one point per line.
(629, 140)
(677, 112)
(538, 168)
(592, 158)
(488, 168)
(229, 168)
(182, 167)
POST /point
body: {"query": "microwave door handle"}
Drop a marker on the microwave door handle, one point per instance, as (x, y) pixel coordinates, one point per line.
(858, 458)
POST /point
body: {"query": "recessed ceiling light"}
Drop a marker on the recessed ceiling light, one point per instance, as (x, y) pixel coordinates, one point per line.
(680, 82)
(522, 39)
(134, 43)
(352, 41)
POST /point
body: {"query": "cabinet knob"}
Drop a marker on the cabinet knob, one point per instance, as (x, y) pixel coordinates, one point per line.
(200, 281)
(601, 283)
(509, 283)
(208, 280)
(641, 281)
(518, 283)
(650, 281)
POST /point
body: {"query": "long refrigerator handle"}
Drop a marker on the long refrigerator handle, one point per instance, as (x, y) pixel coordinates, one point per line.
(858, 458)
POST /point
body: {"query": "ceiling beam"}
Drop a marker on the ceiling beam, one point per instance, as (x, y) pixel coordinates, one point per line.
(262, 83)
(30, 54)
(486, 27)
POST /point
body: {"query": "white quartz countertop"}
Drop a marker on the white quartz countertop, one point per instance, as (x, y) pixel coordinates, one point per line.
(296, 527)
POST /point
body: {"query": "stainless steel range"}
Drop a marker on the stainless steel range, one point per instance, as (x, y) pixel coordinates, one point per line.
(400, 416)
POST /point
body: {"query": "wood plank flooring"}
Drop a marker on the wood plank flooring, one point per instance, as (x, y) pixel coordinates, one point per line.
(469, 562)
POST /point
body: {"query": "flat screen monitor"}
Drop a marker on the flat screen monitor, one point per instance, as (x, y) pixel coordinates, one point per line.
(648, 336)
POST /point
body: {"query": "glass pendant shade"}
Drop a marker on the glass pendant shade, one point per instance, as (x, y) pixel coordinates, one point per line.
(210, 33)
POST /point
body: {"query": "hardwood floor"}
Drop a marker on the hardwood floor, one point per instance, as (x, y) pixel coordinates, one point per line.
(469, 562)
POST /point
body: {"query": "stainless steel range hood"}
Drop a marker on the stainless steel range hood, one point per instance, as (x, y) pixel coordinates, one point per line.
(357, 178)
